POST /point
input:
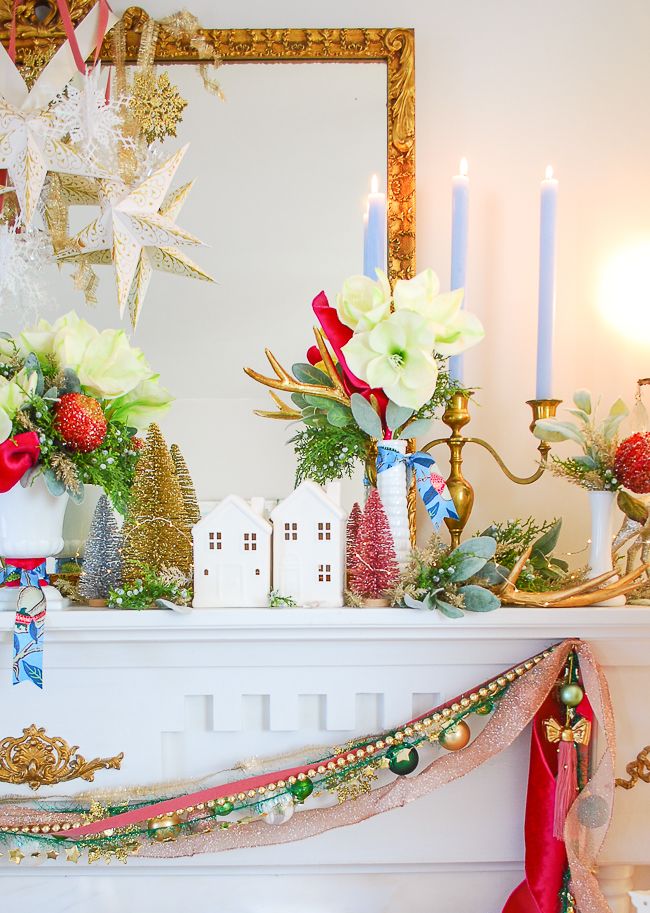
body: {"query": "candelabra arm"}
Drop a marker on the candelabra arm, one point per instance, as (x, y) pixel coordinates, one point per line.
(432, 444)
(519, 480)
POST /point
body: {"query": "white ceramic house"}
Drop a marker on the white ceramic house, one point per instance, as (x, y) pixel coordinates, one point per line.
(232, 556)
(309, 547)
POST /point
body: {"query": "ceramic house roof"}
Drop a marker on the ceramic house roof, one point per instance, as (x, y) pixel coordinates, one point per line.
(307, 490)
(242, 506)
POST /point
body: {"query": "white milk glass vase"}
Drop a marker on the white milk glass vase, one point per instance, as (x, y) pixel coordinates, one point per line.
(602, 505)
(31, 527)
(392, 488)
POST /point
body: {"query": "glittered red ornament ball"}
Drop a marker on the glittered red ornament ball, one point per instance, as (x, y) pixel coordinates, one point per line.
(632, 463)
(80, 422)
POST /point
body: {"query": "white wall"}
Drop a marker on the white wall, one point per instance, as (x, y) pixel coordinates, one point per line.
(514, 86)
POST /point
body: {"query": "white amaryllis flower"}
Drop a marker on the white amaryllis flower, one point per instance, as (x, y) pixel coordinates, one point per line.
(362, 303)
(396, 356)
(455, 329)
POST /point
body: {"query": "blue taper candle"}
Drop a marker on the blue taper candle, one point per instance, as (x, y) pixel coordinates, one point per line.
(374, 246)
(459, 232)
(546, 306)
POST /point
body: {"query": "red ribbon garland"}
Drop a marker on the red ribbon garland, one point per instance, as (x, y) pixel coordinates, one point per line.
(546, 858)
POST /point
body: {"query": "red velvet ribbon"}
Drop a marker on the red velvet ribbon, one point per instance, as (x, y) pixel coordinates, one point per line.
(17, 455)
(338, 335)
(545, 858)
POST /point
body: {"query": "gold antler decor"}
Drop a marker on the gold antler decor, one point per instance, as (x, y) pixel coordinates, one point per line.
(590, 592)
(639, 769)
(39, 760)
(287, 383)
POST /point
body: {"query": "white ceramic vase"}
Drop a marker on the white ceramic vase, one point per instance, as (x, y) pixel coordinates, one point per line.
(392, 488)
(31, 526)
(602, 505)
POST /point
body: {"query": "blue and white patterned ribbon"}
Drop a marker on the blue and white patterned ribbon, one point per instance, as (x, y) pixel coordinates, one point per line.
(19, 576)
(430, 484)
(29, 630)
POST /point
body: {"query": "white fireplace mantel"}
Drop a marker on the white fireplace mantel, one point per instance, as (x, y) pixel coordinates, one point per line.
(183, 695)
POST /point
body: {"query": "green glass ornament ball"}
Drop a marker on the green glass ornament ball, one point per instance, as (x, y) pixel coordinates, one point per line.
(571, 695)
(302, 789)
(224, 809)
(402, 759)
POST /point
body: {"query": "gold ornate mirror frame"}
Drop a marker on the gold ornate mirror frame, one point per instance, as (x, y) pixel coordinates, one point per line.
(38, 30)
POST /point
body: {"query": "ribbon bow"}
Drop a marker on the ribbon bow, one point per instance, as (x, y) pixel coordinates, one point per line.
(430, 484)
(23, 572)
(579, 733)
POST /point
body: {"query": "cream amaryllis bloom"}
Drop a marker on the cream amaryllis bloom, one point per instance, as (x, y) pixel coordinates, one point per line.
(143, 405)
(396, 357)
(455, 329)
(111, 366)
(106, 363)
(362, 304)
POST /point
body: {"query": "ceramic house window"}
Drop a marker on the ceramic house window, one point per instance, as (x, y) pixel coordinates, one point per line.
(324, 573)
(291, 531)
(215, 540)
(324, 531)
(250, 542)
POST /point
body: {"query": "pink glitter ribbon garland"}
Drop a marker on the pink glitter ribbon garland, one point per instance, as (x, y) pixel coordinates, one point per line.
(586, 825)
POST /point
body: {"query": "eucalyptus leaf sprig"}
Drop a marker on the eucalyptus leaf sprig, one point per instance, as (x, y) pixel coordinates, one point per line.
(447, 580)
(593, 469)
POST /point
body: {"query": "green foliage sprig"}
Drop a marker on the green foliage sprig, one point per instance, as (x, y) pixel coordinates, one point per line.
(170, 584)
(337, 437)
(593, 469)
(447, 579)
(542, 571)
(278, 601)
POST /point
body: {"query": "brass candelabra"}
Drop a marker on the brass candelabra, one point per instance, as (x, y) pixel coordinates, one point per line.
(456, 417)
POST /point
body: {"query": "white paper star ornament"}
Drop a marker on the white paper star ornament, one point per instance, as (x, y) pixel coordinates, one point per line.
(134, 223)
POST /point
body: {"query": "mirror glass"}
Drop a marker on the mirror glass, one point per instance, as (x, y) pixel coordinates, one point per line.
(282, 170)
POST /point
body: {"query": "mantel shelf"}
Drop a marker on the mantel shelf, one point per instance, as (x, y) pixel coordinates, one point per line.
(508, 623)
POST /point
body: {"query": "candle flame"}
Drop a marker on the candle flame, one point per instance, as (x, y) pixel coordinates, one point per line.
(549, 172)
(374, 184)
(463, 167)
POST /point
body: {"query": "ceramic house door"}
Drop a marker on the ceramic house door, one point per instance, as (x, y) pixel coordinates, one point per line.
(230, 584)
(290, 584)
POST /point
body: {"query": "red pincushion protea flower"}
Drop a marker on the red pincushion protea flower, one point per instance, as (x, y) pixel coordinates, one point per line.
(632, 463)
(80, 422)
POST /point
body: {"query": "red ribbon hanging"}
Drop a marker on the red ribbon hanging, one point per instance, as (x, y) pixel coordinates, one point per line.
(12, 33)
(17, 455)
(545, 858)
(68, 28)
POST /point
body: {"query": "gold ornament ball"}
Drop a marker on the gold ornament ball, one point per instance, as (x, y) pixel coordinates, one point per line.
(456, 737)
(166, 828)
